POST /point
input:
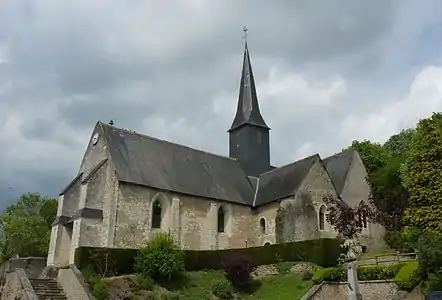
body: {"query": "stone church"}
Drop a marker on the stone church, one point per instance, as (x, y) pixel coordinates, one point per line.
(131, 186)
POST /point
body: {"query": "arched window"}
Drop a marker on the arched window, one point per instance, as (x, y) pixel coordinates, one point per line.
(364, 220)
(221, 219)
(262, 225)
(322, 217)
(362, 215)
(156, 214)
(267, 244)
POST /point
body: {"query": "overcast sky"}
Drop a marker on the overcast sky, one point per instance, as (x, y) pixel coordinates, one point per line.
(327, 72)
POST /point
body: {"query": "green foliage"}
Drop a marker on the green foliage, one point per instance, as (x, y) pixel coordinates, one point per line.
(337, 274)
(307, 275)
(429, 249)
(166, 295)
(222, 289)
(423, 179)
(408, 276)
(394, 240)
(399, 144)
(434, 283)
(161, 258)
(97, 284)
(144, 282)
(26, 226)
(322, 252)
(373, 155)
(119, 261)
(329, 274)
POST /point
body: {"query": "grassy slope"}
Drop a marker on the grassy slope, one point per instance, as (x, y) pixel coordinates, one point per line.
(279, 287)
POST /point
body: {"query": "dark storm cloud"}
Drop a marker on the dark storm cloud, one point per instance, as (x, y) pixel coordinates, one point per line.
(172, 70)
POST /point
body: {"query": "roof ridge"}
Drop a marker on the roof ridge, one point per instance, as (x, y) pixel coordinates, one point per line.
(289, 164)
(256, 193)
(343, 152)
(166, 142)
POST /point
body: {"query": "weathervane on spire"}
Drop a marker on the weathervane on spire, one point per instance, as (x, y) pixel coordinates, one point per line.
(245, 33)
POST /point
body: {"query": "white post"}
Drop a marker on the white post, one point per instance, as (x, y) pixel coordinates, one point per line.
(353, 290)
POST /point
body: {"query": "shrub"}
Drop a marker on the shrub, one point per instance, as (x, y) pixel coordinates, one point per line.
(378, 272)
(394, 240)
(97, 284)
(122, 260)
(364, 273)
(144, 282)
(222, 289)
(434, 283)
(307, 275)
(322, 252)
(408, 276)
(238, 269)
(161, 258)
(99, 289)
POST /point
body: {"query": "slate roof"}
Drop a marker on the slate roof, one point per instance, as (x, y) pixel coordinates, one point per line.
(248, 107)
(284, 181)
(338, 166)
(147, 161)
(143, 160)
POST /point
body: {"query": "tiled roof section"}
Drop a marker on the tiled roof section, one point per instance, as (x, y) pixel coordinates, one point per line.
(70, 184)
(253, 181)
(248, 108)
(284, 181)
(155, 163)
(338, 166)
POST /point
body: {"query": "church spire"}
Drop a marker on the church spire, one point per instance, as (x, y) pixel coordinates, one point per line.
(248, 108)
(249, 141)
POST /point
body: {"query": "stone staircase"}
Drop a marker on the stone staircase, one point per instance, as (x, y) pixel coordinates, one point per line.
(47, 289)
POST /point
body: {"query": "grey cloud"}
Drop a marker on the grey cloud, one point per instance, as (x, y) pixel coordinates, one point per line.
(149, 65)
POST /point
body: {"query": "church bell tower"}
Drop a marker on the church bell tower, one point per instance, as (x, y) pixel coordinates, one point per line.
(249, 134)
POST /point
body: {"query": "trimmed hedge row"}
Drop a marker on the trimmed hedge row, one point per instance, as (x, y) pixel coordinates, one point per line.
(323, 252)
(339, 274)
(408, 276)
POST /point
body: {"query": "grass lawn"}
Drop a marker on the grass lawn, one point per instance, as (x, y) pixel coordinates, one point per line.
(280, 287)
(198, 286)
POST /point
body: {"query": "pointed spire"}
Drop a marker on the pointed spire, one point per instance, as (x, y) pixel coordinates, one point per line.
(248, 108)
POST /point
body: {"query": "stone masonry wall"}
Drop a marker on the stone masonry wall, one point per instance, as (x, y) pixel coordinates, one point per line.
(98, 192)
(298, 217)
(192, 220)
(356, 189)
(268, 233)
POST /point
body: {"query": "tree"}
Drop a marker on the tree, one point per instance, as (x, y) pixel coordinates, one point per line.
(25, 226)
(399, 144)
(388, 195)
(346, 220)
(373, 155)
(423, 179)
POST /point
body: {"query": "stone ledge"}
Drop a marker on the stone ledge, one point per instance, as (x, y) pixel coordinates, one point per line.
(312, 291)
(361, 282)
(28, 290)
(81, 281)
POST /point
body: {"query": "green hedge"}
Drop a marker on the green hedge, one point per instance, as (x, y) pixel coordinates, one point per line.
(408, 276)
(323, 252)
(338, 274)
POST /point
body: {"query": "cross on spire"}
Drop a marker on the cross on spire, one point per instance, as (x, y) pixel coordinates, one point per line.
(245, 29)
